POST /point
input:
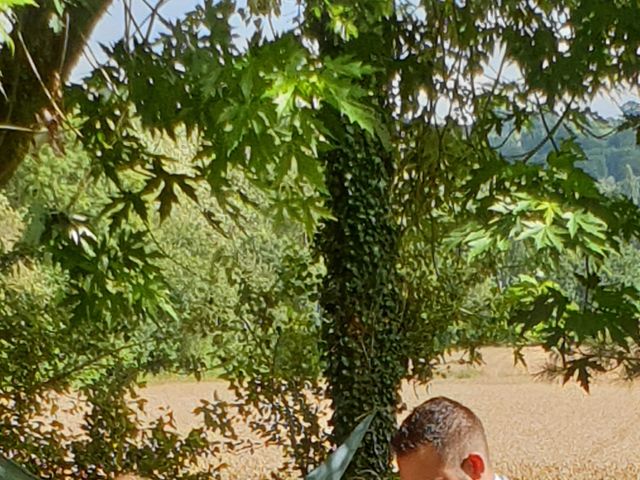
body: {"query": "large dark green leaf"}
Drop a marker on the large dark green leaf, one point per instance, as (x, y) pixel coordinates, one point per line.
(334, 467)
(11, 471)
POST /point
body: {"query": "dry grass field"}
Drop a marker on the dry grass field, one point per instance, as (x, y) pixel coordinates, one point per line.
(537, 430)
(542, 430)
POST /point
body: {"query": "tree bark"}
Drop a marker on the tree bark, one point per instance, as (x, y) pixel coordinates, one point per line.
(26, 85)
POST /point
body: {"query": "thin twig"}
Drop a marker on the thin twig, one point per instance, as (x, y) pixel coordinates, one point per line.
(130, 20)
(273, 30)
(546, 126)
(16, 128)
(162, 19)
(44, 87)
(65, 45)
(503, 142)
(152, 17)
(527, 156)
(95, 64)
(11, 101)
(496, 82)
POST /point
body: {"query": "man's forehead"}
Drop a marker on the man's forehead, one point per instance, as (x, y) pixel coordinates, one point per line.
(424, 450)
(422, 462)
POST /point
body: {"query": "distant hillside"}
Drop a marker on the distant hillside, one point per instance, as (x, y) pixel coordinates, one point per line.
(616, 155)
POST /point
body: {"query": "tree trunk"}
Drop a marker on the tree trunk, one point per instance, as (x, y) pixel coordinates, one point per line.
(364, 355)
(54, 56)
(363, 335)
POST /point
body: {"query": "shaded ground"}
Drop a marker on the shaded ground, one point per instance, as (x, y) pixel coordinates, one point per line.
(536, 430)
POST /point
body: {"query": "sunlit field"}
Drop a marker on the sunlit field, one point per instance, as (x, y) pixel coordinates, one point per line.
(537, 429)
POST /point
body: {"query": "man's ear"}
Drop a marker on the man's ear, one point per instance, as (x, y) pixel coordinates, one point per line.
(473, 466)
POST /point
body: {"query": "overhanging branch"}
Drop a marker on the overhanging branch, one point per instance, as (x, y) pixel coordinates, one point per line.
(54, 55)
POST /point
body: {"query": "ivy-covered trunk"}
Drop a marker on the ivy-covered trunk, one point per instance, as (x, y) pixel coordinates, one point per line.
(364, 357)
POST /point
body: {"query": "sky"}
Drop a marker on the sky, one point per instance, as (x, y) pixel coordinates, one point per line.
(111, 28)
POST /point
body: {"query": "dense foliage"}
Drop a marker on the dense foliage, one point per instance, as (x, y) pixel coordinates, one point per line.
(306, 206)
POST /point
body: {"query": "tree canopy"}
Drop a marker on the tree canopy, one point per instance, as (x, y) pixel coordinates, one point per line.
(321, 191)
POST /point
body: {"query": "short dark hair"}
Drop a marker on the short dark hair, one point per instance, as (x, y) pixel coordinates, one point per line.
(445, 424)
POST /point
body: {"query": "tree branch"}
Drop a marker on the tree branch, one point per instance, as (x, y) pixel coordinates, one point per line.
(54, 55)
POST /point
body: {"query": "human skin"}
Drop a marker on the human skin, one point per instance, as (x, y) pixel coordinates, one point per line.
(425, 463)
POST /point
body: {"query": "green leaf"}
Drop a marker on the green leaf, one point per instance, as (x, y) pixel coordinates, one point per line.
(167, 199)
(347, 67)
(554, 234)
(550, 210)
(56, 24)
(166, 307)
(284, 99)
(359, 114)
(593, 225)
(4, 4)
(188, 190)
(334, 467)
(533, 229)
(4, 36)
(479, 245)
(572, 223)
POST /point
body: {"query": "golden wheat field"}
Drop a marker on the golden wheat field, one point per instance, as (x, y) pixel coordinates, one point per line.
(537, 430)
(543, 430)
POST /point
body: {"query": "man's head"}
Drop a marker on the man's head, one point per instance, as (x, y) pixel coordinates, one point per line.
(442, 440)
